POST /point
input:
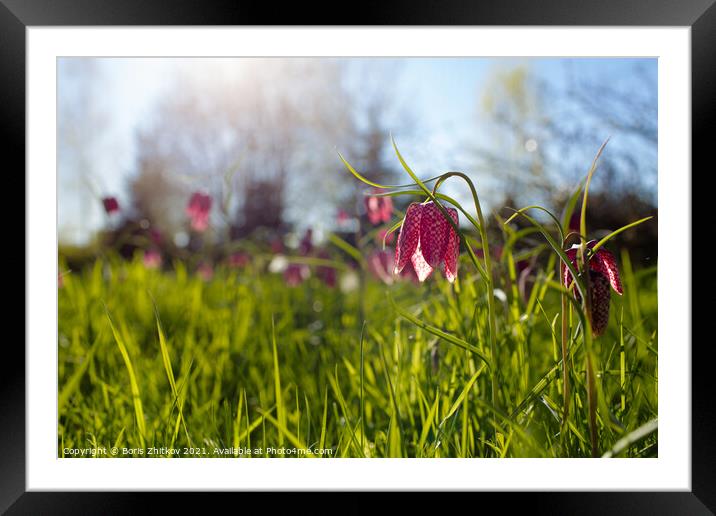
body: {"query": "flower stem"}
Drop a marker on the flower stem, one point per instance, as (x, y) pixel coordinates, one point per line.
(584, 268)
(592, 404)
(488, 273)
(565, 362)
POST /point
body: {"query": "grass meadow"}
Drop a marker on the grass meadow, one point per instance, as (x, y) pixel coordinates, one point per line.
(182, 365)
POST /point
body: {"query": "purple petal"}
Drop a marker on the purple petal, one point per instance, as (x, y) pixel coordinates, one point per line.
(422, 268)
(434, 234)
(409, 236)
(603, 261)
(453, 249)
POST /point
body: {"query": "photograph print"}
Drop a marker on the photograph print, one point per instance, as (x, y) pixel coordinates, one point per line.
(357, 257)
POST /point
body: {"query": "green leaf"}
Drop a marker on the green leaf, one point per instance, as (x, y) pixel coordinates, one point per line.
(377, 185)
(428, 423)
(572, 203)
(633, 437)
(440, 196)
(583, 218)
(557, 249)
(74, 381)
(465, 391)
(283, 431)
(280, 409)
(536, 207)
(133, 385)
(615, 233)
(439, 333)
(166, 360)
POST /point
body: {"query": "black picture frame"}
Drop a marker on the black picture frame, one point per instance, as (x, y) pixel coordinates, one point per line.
(17, 15)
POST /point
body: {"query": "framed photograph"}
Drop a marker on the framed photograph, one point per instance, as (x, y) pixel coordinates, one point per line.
(431, 251)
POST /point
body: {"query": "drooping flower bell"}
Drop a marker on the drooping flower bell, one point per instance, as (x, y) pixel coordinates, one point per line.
(603, 273)
(305, 246)
(342, 217)
(239, 260)
(326, 273)
(152, 259)
(428, 240)
(378, 209)
(295, 274)
(525, 280)
(156, 236)
(198, 211)
(205, 271)
(276, 245)
(111, 205)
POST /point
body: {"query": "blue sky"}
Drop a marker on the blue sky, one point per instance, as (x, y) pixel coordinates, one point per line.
(442, 96)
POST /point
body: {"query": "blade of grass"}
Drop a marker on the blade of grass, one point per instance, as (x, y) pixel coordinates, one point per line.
(461, 396)
(633, 437)
(237, 425)
(282, 430)
(615, 233)
(439, 333)
(133, 385)
(396, 409)
(335, 385)
(558, 249)
(583, 217)
(74, 381)
(536, 207)
(280, 409)
(322, 440)
(371, 183)
(428, 423)
(362, 382)
(166, 360)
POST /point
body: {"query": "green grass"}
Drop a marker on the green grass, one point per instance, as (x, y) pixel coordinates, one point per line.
(164, 359)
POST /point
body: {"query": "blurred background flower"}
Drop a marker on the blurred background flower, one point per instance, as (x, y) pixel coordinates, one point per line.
(152, 259)
(110, 205)
(198, 210)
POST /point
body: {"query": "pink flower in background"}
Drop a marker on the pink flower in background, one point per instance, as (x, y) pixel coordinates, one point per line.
(205, 271)
(152, 259)
(239, 260)
(326, 273)
(428, 240)
(155, 236)
(383, 235)
(409, 274)
(603, 273)
(295, 274)
(381, 264)
(306, 245)
(60, 281)
(198, 211)
(111, 205)
(378, 209)
(276, 245)
(342, 217)
(524, 284)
